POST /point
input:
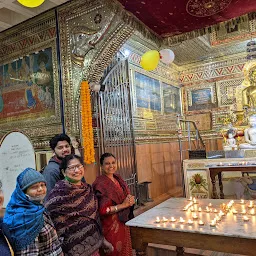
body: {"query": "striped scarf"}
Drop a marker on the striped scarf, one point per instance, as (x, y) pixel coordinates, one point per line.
(74, 212)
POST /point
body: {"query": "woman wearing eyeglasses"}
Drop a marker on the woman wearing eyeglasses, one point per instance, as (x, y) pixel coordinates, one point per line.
(74, 211)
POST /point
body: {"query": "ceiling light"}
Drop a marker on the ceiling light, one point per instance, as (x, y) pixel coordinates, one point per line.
(31, 3)
(126, 53)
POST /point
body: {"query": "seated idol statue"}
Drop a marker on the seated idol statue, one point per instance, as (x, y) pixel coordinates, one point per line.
(250, 135)
(249, 93)
(231, 141)
(249, 96)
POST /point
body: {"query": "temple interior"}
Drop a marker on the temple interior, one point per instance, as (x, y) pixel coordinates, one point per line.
(185, 128)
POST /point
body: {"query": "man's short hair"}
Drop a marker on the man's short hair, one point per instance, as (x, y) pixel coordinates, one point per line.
(58, 137)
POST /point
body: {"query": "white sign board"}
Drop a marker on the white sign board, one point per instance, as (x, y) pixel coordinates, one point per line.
(16, 154)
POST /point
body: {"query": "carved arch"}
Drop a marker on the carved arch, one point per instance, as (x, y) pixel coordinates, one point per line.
(93, 71)
(95, 60)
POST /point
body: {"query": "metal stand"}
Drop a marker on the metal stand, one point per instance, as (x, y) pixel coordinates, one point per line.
(195, 141)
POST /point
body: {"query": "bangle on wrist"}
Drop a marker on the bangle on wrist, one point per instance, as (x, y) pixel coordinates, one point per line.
(116, 209)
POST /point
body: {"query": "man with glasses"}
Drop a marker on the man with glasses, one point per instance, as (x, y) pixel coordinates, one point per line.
(60, 145)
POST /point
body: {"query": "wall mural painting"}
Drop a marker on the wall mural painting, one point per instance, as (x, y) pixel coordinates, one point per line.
(156, 105)
(202, 97)
(147, 92)
(150, 93)
(27, 87)
(171, 98)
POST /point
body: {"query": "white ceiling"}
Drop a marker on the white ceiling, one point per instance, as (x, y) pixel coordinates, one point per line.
(12, 12)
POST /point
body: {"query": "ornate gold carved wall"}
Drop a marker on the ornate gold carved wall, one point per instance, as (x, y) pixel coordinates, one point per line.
(91, 32)
(214, 88)
(155, 95)
(232, 31)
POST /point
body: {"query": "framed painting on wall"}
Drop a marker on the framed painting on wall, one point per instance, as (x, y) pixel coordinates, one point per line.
(147, 92)
(197, 184)
(171, 99)
(201, 97)
(156, 101)
(29, 89)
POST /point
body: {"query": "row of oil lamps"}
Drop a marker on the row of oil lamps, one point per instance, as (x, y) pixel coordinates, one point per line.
(218, 217)
(181, 220)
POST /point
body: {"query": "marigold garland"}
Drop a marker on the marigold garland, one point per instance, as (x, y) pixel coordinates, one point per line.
(86, 119)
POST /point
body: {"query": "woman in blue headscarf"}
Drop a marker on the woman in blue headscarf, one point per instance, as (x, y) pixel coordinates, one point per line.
(31, 228)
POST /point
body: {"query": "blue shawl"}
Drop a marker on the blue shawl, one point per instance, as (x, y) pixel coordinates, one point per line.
(23, 217)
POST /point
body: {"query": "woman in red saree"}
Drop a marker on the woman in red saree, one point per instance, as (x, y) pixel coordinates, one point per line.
(115, 206)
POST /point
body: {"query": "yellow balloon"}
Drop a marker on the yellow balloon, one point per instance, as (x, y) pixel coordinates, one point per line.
(150, 60)
(31, 3)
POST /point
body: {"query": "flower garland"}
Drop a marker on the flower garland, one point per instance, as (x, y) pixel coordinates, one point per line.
(86, 119)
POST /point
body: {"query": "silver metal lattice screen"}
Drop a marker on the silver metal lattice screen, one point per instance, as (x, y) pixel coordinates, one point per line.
(116, 121)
